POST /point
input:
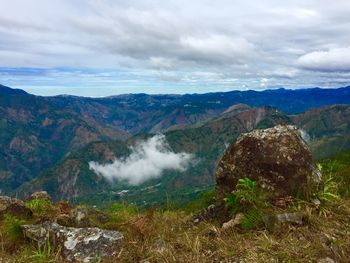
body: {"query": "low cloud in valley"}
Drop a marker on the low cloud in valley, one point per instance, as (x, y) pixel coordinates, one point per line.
(148, 160)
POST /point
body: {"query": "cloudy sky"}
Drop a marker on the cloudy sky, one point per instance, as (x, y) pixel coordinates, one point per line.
(105, 47)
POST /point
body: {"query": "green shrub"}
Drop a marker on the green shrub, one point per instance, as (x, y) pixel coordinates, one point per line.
(40, 206)
(12, 227)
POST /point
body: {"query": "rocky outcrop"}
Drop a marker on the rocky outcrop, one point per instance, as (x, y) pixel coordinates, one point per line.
(40, 195)
(277, 159)
(80, 216)
(14, 207)
(77, 244)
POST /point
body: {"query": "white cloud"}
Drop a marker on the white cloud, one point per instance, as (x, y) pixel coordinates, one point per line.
(148, 160)
(333, 60)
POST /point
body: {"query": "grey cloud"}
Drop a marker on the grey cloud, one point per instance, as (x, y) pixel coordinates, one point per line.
(288, 42)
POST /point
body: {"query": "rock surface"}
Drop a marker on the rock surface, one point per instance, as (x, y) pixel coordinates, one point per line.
(40, 195)
(274, 221)
(233, 222)
(80, 216)
(14, 207)
(78, 244)
(278, 159)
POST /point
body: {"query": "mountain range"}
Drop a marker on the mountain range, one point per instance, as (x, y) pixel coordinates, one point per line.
(47, 142)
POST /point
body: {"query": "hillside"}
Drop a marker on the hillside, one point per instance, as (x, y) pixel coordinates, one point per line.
(35, 134)
(39, 134)
(206, 141)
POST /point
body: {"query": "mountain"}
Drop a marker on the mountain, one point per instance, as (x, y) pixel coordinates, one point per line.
(40, 133)
(35, 134)
(72, 179)
(6, 91)
(328, 127)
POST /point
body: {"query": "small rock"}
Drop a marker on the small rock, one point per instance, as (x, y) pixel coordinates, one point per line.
(295, 218)
(14, 207)
(274, 221)
(160, 245)
(78, 244)
(316, 202)
(40, 195)
(207, 214)
(64, 220)
(233, 222)
(64, 207)
(196, 220)
(326, 260)
(79, 216)
(211, 232)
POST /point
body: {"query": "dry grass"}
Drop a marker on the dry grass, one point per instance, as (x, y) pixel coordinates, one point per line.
(171, 236)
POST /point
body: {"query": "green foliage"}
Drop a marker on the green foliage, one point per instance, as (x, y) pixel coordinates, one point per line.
(247, 199)
(39, 206)
(12, 227)
(246, 193)
(233, 202)
(247, 190)
(338, 167)
(329, 192)
(252, 218)
(205, 199)
(43, 254)
(125, 208)
(120, 212)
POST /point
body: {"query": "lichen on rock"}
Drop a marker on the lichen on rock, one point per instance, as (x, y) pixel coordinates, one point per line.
(277, 159)
(78, 244)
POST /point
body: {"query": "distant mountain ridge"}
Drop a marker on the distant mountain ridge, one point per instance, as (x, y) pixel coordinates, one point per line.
(9, 91)
(38, 133)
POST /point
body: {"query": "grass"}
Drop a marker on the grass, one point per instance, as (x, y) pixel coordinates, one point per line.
(12, 227)
(40, 206)
(172, 236)
(188, 242)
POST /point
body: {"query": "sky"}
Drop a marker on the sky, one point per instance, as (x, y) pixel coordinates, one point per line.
(108, 47)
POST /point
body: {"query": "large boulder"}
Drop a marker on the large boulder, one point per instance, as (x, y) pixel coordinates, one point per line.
(77, 244)
(14, 207)
(277, 159)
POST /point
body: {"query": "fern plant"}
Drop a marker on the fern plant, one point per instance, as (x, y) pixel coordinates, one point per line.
(252, 218)
(246, 192)
(247, 199)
